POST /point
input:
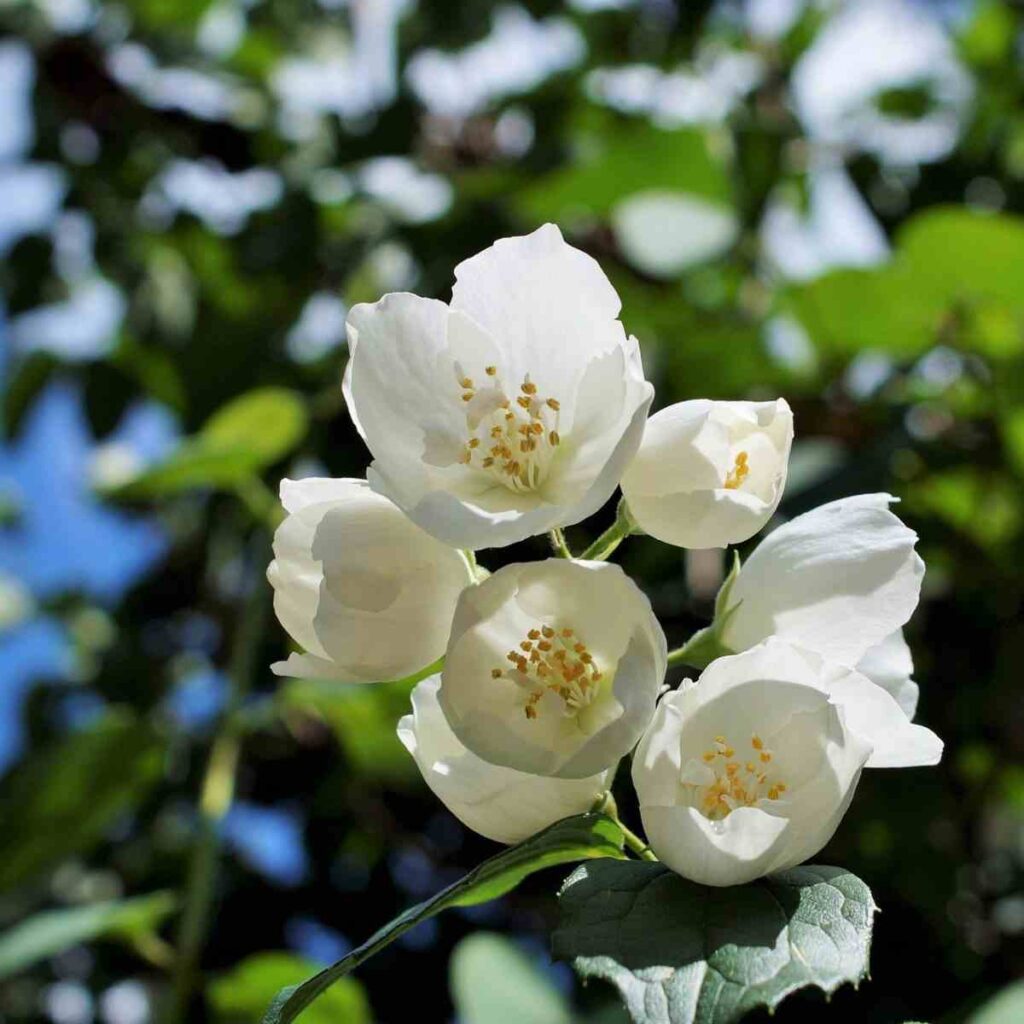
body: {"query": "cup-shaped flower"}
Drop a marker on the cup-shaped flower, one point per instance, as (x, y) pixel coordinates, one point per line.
(499, 803)
(837, 580)
(510, 411)
(365, 592)
(750, 770)
(553, 667)
(709, 474)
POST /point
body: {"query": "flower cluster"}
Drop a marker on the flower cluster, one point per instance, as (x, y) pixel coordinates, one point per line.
(518, 409)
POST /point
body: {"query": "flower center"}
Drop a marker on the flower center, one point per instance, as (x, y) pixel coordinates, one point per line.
(511, 438)
(739, 472)
(553, 661)
(736, 782)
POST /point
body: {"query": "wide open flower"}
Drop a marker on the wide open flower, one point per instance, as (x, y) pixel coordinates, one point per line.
(709, 474)
(511, 411)
(553, 667)
(750, 770)
(838, 580)
(499, 803)
(368, 594)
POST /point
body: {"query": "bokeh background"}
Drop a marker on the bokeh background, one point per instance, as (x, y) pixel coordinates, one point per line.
(792, 197)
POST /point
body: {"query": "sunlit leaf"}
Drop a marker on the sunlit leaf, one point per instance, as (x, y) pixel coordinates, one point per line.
(245, 436)
(242, 994)
(493, 982)
(1005, 1007)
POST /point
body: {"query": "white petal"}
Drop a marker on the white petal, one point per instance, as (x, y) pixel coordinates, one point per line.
(306, 666)
(737, 849)
(461, 523)
(315, 490)
(836, 580)
(401, 384)
(890, 665)
(500, 803)
(549, 305)
(873, 714)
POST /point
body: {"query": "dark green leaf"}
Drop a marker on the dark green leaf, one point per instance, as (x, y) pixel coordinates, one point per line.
(241, 995)
(63, 799)
(681, 953)
(53, 931)
(583, 837)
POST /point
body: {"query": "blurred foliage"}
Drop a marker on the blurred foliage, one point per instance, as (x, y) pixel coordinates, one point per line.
(192, 193)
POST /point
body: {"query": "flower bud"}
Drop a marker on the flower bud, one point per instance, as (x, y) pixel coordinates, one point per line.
(364, 591)
(709, 474)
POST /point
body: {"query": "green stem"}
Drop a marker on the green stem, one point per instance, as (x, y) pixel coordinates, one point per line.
(607, 805)
(558, 543)
(700, 650)
(602, 548)
(216, 796)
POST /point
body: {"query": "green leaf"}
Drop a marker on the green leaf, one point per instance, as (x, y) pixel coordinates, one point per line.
(239, 440)
(493, 982)
(965, 256)
(615, 158)
(53, 931)
(240, 995)
(63, 799)
(579, 838)
(681, 953)
(1005, 1007)
(882, 308)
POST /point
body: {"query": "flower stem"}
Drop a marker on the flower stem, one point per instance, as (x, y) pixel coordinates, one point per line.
(606, 805)
(216, 796)
(602, 548)
(699, 651)
(561, 548)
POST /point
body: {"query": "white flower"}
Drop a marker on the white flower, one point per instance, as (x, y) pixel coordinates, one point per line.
(511, 411)
(837, 580)
(750, 770)
(709, 474)
(499, 803)
(553, 667)
(368, 595)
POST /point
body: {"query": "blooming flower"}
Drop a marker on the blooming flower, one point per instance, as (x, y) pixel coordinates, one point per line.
(838, 580)
(553, 667)
(709, 474)
(499, 803)
(750, 770)
(509, 412)
(366, 593)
